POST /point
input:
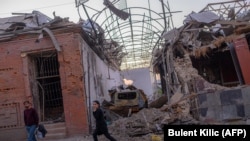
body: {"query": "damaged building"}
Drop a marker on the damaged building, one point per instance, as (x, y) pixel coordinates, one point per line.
(208, 57)
(195, 74)
(51, 62)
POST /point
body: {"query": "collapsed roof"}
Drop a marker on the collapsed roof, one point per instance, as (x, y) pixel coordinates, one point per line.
(209, 28)
(119, 31)
(136, 27)
(127, 36)
(202, 37)
(38, 23)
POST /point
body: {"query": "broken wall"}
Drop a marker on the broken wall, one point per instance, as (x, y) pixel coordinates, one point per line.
(203, 36)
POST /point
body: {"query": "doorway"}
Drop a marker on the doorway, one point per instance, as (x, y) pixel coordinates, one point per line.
(47, 92)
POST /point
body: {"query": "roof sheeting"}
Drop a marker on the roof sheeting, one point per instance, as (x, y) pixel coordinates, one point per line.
(203, 17)
(24, 21)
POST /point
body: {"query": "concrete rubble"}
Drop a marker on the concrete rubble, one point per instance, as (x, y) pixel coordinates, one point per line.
(151, 120)
(148, 122)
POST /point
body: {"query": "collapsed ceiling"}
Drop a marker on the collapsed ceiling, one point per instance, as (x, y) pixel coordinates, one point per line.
(126, 34)
(200, 55)
(134, 27)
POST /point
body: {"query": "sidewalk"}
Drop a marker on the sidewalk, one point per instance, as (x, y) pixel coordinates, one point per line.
(102, 138)
(75, 138)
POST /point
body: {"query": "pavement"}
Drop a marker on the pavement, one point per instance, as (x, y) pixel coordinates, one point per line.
(75, 138)
(147, 137)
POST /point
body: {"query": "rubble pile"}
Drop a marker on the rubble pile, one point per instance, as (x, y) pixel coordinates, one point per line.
(152, 120)
(141, 123)
(179, 110)
(191, 74)
(147, 137)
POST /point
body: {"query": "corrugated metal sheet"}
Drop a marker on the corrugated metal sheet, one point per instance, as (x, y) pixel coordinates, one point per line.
(203, 17)
(27, 20)
(12, 19)
(5, 26)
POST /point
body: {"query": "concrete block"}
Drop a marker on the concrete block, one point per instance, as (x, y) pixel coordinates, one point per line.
(248, 122)
(209, 99)
(228, 112)
(232, 111)
(247, 110)
(231, 97)
(203, 112)
(213, 99)
(216, 110)
(202, 100)
(246, 95)
(212, 112)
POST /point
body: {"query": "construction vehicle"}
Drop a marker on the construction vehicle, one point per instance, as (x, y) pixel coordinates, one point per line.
(127, 101)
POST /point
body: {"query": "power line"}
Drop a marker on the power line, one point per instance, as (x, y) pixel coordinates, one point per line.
(39, 8)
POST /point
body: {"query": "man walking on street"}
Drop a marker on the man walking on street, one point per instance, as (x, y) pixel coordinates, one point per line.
(30, 120)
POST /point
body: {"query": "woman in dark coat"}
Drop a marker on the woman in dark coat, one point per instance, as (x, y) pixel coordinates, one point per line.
(101, 125)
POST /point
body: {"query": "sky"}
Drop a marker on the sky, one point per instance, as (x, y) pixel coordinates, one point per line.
(67, 8)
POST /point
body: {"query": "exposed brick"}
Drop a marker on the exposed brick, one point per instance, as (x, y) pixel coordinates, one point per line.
(14, 79)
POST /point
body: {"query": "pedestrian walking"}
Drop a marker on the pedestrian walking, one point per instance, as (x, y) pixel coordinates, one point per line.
(31, 120)
(101, 125)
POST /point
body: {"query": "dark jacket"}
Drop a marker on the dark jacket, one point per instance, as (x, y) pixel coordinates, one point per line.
(101, 125)
(30, 117)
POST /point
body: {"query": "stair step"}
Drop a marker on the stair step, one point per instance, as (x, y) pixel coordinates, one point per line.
(55, 125)
(55, 136)
(55, 130)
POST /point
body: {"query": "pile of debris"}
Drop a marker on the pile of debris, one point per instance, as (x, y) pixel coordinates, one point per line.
(152, 120)
(200, 57)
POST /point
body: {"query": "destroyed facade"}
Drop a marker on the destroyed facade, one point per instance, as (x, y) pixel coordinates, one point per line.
(206, 60)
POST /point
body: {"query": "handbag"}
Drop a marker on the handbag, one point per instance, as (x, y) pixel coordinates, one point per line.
(41, 131)
(39, 134)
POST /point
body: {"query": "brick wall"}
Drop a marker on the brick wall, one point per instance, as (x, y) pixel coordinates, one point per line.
(15, 81)
(72, 79)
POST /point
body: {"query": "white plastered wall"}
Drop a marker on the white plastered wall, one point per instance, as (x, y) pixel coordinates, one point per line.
(98, 77)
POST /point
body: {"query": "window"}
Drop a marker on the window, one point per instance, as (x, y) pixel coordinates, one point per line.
(127, 95)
